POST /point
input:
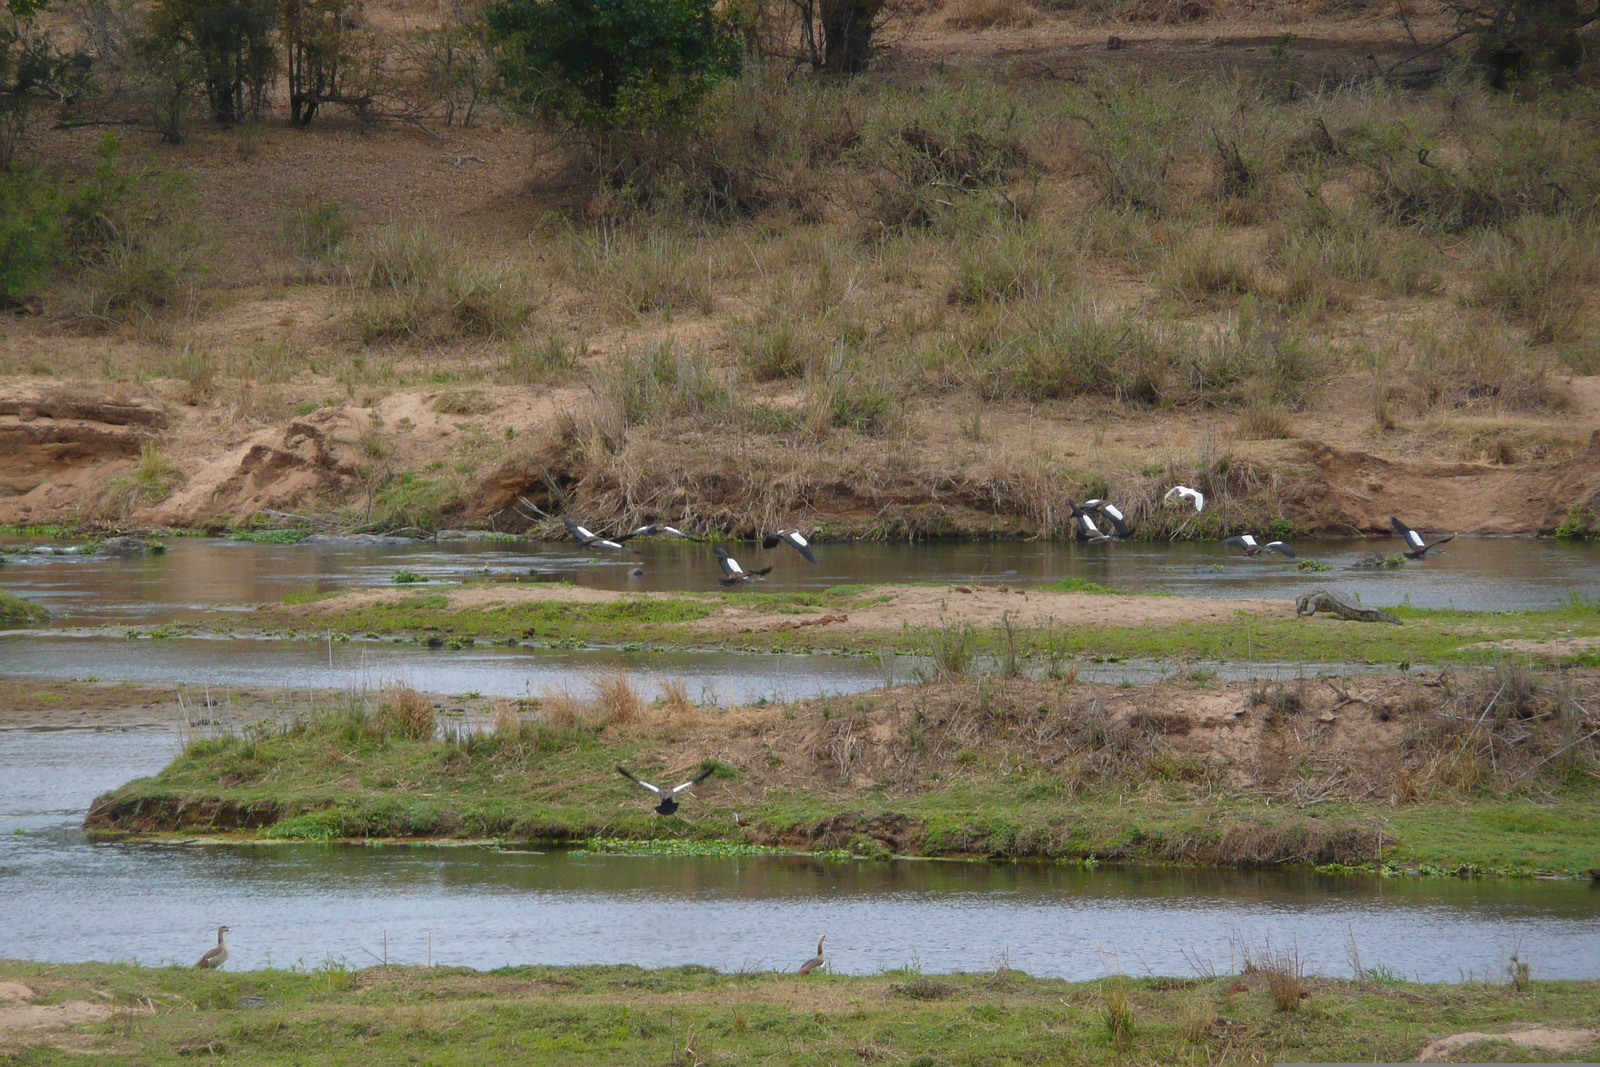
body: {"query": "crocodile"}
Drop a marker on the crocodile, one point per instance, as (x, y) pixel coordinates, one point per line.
(1323, 600)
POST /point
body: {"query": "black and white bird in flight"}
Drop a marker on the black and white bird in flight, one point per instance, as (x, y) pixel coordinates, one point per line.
(668, 797)
(1252, 548)
(1110, 512)
(589, 539)
(1416, 547)
(794, 539)
(659, 528)
(732, 573)
(1088, 529)
(1181, 493)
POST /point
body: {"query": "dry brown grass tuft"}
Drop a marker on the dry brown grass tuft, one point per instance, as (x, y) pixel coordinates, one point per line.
(507, 725)
(615, 697)
(1116, 1011)
(1536, 271)
(676, 707)
(1284, 972)
(561, 709)
(407, 712)
(1265, 422)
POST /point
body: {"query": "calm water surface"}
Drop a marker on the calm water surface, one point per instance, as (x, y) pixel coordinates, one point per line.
(199, 578)
(65, 899)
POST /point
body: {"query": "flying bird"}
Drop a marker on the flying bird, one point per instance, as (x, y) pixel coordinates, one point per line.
(659, 528)
(589, 539)
(792, 538)
(215, 956)
(1251, 548)
(1183, 492)
(815, 961)
(732, 573)
(1107, 510)
(1418, 548)
(1087, 529)
(667, 797)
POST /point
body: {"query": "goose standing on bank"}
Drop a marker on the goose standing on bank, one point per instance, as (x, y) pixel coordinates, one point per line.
(217, 955)
(732, 573)
(1252, 548)
(1109, 511)
(667, 797)
(1181, 493)
(1417, 547)
(815, 961)
(794, 539)
(589, 539)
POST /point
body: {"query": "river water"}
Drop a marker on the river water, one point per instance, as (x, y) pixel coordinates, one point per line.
(67, 899)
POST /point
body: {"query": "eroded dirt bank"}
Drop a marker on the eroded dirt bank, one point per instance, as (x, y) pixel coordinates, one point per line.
(73, 453)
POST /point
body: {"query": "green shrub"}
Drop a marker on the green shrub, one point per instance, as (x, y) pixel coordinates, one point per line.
(31, 239)
(607, 65)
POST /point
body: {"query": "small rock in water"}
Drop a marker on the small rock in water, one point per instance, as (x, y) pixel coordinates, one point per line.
(130, 546)
(637, 572)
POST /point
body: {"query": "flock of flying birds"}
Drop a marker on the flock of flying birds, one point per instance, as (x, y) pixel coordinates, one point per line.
(1089, 517)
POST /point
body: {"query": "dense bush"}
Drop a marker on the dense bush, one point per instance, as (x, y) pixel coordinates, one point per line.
(610, 65)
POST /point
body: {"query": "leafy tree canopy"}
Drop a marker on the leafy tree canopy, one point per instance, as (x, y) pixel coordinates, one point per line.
(607, 65)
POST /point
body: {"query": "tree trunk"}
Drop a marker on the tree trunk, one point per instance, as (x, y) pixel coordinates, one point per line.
(847, 28)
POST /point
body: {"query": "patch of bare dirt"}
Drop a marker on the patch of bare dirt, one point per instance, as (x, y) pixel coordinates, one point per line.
(1547, 1038)
(18, 1013)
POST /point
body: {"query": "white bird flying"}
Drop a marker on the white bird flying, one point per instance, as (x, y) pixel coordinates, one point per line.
(1107, 510)
(659, 528)
(1183, 492)
(667, 797)
(1251, 548)
(1087, 529)
(794, 539)
(589, 539)
(1418, 548)
(732, 573)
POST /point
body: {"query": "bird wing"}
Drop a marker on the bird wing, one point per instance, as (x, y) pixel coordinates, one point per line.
(1442, 540)
(771, 541)
(800, 545)
(673, 530)
(763, 571)
(1088, 524)
(696, 780)
(1413, 538)
(1199, 499)
(1281, 547)
(211, 954)
(730, 566)
(578, 532)
(638, 781)
(1114, 513)
(1243, 542)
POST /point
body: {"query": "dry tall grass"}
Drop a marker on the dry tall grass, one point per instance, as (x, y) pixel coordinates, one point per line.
(616, 701)
(406, 712)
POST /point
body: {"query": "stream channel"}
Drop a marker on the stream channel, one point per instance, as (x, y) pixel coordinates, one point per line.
(66, 898)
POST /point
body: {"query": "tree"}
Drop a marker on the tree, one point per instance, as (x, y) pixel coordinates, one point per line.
(320, 37)
(231, 43)
(32, 72)
(609, 66)
(1515, 39)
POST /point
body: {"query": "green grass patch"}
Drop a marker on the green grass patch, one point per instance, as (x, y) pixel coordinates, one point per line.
(615, 1015)
(270, 537)
(15, 611)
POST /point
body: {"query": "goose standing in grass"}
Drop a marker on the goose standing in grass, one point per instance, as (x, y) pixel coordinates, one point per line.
(794, 539)
(1087, 529)
(1417, 547)
(1109, 511)
(1181, 493)
(1252, 548)
(732, 573)
(667, 797)
(589, 539)
(217, 955)
(815, 961)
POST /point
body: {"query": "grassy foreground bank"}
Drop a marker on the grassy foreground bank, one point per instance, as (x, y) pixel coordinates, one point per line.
(693, 1015)
(1491, 771)
(1038, 623)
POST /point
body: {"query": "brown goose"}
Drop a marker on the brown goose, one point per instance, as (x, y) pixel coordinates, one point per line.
(216, 956)
(815, 961)
(794, 539)
(732, 573)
